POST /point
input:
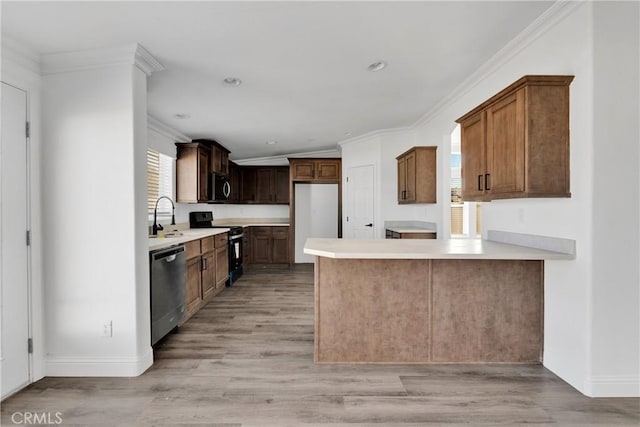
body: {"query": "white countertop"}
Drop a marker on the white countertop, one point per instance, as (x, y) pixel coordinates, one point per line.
(252, 222)
(425, 249)
(410, 229)
(156, 243)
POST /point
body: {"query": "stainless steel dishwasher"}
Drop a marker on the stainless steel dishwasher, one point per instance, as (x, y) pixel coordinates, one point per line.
(167, 290)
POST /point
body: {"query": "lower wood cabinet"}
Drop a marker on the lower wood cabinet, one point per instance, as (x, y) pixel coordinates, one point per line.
(209, 267)
(207, 270)
(193, 292)
(269, 245)
(222, 267)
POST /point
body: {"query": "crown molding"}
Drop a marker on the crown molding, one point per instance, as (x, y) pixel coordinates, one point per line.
(14, 51)
(284, 158)
(132, 54)
(547, 20)
(374, 134)
(166, 130)
(146, 62)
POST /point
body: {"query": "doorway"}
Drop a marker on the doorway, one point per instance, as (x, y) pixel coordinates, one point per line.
(14, 217)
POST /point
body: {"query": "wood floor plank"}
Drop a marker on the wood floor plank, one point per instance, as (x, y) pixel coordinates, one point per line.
(246, 359)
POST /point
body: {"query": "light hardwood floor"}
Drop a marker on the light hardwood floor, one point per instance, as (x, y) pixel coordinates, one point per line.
(246, 359)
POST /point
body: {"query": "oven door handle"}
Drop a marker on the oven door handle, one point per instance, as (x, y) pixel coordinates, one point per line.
(236, 237)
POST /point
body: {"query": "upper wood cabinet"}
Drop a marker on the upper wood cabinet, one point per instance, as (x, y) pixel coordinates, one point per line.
(315, 170)
(192, 173)
(219, 158)
(265, 185)
(516, 144)
(417, 175)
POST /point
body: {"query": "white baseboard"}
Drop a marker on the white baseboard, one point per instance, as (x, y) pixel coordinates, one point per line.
(98, 367)
(613, 386)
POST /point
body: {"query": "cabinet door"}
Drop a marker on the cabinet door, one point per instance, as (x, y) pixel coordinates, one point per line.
(224, 163)
(208, 275)
(265, 185)
(203, 175)
(216, 159)
(505, 145)
(246, 247)
(410, 161)
(303, 170)
(327, 169)
(248, 182)
(473, 157)
(280, 245)
(193, 291)
(402, 180)
(282, 185)
(261, 245)
(222, 267)
(234, 181)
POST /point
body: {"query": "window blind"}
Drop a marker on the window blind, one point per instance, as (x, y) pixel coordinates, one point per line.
(160, 172)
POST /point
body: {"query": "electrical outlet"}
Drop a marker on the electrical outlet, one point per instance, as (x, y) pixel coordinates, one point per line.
(107, 329)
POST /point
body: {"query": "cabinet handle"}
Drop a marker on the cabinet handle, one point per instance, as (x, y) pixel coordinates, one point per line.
(479, 182)
(404, 194)
(204, 264)
(486, 181)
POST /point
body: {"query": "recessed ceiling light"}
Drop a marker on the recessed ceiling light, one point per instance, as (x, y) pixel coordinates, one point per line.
(271, 142)
(377, 66)
(347, 134)
(182, 116)
(232, 81)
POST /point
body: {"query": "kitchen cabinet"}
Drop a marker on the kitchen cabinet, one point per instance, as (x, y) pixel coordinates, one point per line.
(417, 175)
(270, 245)
(192, 173)
(219, 156)
(234, 181)
(193, 292)
(221, 261)
(315, 170)
(207, 270)
(246, 247)
(516, 144)
(194, 297)
(265, 185)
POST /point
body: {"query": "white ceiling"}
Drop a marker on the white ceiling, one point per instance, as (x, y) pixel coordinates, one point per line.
(303, 64)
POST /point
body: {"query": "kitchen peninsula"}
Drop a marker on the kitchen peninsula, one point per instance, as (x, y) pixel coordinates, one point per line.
(428, 301)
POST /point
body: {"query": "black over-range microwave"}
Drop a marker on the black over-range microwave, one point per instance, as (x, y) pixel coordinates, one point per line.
(219, 188)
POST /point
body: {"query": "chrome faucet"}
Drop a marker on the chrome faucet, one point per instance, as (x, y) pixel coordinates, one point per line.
(157, 226)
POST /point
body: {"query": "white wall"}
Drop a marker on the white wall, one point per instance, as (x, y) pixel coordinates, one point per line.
(316, 215)
(381, 149)
(615, 323)
(591, 303)
(20, 69)
(94, 138)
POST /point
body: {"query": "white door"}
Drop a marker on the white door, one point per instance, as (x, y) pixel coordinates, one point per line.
(14, 295)
(316, 215)
(360, 193)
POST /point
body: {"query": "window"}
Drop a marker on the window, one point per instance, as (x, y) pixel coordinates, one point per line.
(466, 217)
(160, 173)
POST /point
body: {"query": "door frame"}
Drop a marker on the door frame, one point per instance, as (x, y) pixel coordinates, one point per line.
(28, 176)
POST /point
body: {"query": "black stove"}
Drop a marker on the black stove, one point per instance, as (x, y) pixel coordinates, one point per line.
(236, 238)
